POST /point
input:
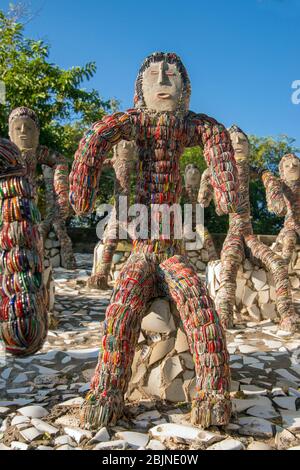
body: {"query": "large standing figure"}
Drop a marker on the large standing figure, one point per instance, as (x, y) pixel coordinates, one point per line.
(240, 236)
(283, 197)
(23, 297)
(24, 131)
(123, 163)
(162, 127)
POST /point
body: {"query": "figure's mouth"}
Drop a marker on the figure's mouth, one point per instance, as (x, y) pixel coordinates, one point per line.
(23, 137)
(163, 96)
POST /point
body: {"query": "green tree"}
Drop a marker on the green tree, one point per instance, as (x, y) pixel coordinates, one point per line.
(65, 109)
(266, 152)
(54, 93)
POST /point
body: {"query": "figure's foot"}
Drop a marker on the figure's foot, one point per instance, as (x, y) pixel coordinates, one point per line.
(101, 411)
(53, 320)
(289, 323)
(99, 281)
(213, 410)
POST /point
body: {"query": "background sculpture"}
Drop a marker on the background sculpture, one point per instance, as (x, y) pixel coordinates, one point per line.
(283, 198)
(23, 314)
(123, 162)
(192, 180)
(240, 237)
(162, 127)
(24, 132)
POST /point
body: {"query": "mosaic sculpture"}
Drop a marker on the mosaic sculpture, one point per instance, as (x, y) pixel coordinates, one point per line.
(283, 198)
(240, 237)
(123, 164)
(23, 313)
(24, 131)
(192, 180)
(162, 128)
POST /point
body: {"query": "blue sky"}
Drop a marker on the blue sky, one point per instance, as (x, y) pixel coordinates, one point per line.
(242, 55)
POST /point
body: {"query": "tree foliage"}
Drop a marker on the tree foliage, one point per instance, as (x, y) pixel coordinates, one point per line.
(54, 93)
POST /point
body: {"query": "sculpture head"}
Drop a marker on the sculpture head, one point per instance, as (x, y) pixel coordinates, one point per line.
(289, 168)
(192, 176)
(240, 143)
(24, 129)
(163, 84)
(125, 150)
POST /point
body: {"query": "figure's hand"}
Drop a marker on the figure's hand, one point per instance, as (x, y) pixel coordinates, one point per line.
(225, 201)
(204, 197)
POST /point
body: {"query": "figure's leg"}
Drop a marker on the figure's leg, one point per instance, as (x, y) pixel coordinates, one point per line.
(231, 259)
(133, 289)
(277, 266)
(206, 340)
(66, 249)
(289, 240)
(100, 279)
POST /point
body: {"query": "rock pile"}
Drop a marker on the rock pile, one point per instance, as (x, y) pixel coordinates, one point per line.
(163, 367)
(255, 293)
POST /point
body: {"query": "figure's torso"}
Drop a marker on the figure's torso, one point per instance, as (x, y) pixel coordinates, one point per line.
(292, 198)
(240, 221)
(161, 141)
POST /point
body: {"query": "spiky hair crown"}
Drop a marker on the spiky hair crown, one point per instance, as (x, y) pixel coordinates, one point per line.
(24, 112)
(170, 58)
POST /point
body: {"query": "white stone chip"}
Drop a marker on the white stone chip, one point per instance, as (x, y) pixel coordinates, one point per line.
(228, 444)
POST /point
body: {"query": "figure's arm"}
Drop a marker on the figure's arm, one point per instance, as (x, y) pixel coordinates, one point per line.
(219, 156)
(274, 193)
(59, 164)
(92, 151)
(206, 191)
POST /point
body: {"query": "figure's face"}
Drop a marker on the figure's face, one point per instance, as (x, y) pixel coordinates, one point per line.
(24, 133)
(162, 86)
(192, 176)
(291, 169)
(240, 146)
(125, 150)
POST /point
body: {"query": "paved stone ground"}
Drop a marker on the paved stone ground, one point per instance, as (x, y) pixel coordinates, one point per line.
(40, 396)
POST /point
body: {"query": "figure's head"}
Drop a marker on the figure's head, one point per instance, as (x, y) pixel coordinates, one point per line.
(192, 176)
(125, 150)
(24, 129)
(240, 143)
(289, 168)
(163, 84)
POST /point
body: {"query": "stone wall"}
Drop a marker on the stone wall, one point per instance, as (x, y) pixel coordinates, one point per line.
(52, 251)
(198, 259)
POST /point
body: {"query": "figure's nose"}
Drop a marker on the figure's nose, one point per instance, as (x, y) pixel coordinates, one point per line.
(162, 76)
(23, 128)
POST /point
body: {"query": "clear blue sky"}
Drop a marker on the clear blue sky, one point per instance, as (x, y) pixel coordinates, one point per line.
(242, 55)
